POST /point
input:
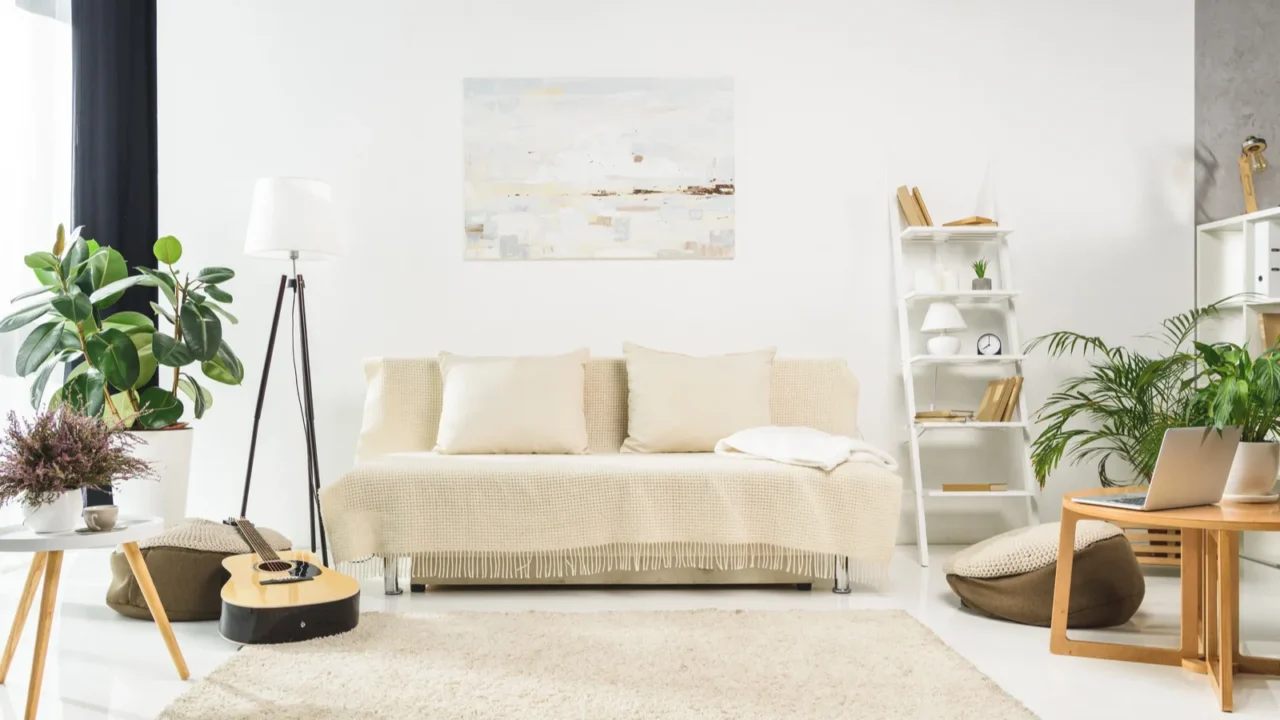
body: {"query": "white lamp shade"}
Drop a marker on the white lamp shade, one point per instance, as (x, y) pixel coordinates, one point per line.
(293, 215)
(942, 317)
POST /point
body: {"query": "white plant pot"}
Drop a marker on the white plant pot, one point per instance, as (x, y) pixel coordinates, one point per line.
(165, 494)
(61, 515)
(1253, 472)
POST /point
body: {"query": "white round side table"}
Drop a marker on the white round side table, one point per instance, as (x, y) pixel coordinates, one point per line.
(48, 549)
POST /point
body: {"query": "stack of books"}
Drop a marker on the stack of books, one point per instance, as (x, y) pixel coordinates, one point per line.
(913, 207)
(1000, 400)
(944, 416)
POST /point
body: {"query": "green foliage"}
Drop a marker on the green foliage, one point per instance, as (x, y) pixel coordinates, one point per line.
(1239, 390)
(122, 352)
(980, 267)
(1120, 408)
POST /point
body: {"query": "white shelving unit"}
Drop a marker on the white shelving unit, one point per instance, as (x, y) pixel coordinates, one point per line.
(1001, 301)
(1240, 256)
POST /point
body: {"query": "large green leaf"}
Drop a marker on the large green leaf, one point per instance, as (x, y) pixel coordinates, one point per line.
(31, 293)
(60, 240)
(86, 393)
(218, 293)
(157, 279)
(74, 258)
(24, 316)
(124, 408)
(160, 408)
(215, 275)
(202, 399)
(201, 331)
(74, 305)
(167, 250)
(102, 295)
(129, 322)
(168, 351)
(226, 368)
(38, 385)
(39, 346)
(41, 261)
(106, 269)
(221, 311)
(114, 355)
(162, 312)
(147, 364)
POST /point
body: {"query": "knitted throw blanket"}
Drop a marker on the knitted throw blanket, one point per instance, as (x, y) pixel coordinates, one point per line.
(210, 536)
(545, 516)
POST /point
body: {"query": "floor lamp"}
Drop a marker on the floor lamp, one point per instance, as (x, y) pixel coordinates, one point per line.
(292, 219)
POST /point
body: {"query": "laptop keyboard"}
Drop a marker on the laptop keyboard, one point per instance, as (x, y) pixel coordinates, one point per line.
(1138, 500)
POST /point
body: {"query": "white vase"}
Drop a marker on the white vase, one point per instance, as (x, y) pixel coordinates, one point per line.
(1253, 471)
(164, 495)
(61, 515)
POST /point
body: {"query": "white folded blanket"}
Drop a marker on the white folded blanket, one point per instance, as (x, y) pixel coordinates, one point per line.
(803, 446)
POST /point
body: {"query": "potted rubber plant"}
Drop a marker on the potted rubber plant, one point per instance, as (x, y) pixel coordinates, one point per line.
(981, 282)
(125, 369)
(1244, 391)
(46, 462)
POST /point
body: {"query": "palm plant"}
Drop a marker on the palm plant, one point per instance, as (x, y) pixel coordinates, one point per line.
(1240, 390)
(1121, 407)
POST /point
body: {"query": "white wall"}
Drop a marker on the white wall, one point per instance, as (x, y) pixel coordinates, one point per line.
(1092, 123)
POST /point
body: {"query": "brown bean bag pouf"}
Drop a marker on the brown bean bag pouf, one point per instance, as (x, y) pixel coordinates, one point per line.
(185, 563)
(1011, 576)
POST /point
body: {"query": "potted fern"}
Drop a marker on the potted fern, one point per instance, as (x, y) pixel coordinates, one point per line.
(1115, 414)
(981, 282)
(125, 369)
(1244, 391)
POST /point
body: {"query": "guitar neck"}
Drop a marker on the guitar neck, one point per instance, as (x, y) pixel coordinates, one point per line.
(256, 542)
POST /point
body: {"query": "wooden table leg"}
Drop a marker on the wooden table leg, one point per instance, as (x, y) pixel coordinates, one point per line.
(1192, 562)
(44, 626)
(139, 567)
(1228, 590)
(1058, 643)
(24, 609)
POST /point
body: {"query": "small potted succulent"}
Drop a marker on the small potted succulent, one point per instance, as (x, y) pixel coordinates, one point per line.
(45, 463)
(981, 282)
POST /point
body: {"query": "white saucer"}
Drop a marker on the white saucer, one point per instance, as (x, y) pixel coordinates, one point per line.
(1270, 497)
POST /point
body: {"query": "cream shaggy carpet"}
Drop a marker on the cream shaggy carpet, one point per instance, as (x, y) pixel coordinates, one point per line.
(703, 664)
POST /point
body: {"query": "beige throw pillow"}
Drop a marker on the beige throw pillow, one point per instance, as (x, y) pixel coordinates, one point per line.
(511, 405)
(679, 403)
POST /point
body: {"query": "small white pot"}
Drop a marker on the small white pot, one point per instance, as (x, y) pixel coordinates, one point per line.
(61, 515)
(165, 494)
(1253, 472)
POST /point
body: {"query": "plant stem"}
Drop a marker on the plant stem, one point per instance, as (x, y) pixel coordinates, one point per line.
(178, 291)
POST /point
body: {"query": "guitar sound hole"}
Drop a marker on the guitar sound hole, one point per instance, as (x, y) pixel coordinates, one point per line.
(274, 566)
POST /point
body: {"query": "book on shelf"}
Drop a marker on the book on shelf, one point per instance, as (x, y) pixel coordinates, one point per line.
(975, 487)
(924, 209)
(957, 419)
(910, 209)
(975, 220)
(1012, 404)
(1269, 326)
(930, 414)
(1000, 400)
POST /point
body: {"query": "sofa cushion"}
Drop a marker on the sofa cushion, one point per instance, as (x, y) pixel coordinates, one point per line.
(1012, 576)
(512, 404)
(680, 403)
(403, 400)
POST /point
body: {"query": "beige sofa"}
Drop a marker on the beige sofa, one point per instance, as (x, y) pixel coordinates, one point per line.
(607, 516)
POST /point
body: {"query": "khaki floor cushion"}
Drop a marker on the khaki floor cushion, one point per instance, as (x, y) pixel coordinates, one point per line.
(1011, 576)
(185, 563)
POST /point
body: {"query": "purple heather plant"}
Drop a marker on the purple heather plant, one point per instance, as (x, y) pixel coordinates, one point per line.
(58, 451)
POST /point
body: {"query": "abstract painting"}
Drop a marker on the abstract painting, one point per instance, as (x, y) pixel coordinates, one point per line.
(602, 168)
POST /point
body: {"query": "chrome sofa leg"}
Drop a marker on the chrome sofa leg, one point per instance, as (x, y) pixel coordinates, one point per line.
(391, 576)
(841, 586)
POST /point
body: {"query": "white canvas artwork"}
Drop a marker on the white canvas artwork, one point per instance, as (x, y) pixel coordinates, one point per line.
(614, 168)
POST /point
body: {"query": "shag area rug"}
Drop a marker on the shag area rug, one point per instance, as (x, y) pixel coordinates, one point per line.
(701, 664)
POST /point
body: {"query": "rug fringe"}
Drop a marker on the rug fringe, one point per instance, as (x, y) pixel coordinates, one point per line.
(638, 557)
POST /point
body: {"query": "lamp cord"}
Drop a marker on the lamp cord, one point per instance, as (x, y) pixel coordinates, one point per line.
(293, 356)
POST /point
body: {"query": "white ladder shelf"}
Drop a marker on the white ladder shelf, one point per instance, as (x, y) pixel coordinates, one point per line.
(1022, 482)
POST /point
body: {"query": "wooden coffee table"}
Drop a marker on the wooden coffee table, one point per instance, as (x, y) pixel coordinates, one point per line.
(47, 562)
(1210, 641)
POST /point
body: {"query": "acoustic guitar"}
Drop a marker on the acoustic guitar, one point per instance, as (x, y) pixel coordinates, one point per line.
(283, 597)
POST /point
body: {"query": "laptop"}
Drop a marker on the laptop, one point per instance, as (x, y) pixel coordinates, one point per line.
(1191, 470)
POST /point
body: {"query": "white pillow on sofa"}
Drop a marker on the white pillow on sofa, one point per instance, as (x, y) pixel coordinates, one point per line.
(512, 405)
(680, 403)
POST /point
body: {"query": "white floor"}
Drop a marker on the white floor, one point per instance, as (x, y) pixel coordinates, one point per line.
(102, 665)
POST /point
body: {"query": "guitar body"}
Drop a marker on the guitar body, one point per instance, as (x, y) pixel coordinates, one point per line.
(262, 605)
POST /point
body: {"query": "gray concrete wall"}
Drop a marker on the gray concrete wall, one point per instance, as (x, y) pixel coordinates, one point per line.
(1237, 95)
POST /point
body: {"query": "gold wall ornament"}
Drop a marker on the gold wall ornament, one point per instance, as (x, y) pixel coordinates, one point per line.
(1251, 161)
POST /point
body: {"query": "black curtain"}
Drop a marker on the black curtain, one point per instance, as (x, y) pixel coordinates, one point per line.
(113, 61)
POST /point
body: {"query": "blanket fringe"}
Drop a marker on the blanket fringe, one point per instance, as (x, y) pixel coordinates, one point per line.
(527, 565)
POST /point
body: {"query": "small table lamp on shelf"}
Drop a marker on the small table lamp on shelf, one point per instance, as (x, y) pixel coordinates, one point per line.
(942, 318)
(293, 219)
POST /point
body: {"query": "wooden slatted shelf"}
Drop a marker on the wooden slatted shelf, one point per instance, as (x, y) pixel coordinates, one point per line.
(1153, 545)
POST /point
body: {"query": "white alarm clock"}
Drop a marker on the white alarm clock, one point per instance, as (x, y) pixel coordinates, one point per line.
(989, 344)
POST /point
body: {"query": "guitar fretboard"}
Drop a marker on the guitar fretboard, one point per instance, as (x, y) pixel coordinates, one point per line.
(256, 542)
